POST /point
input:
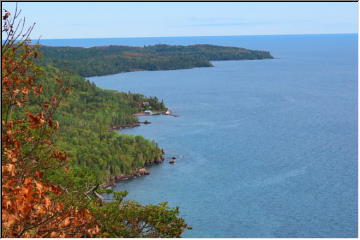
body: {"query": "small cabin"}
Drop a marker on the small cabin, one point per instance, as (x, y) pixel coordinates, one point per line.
(148, 112)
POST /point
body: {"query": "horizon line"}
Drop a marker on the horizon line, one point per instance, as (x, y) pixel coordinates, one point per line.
(200, 36)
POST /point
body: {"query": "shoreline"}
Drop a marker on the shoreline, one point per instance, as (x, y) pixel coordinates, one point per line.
(167, 113)
(137, 172)
(138, 123)
(131, 125)
(142, 171)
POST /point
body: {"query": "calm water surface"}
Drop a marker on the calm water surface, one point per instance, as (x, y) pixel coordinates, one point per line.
(266, 148)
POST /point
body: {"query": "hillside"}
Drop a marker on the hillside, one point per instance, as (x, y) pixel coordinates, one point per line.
(57, 148)
(85, 116)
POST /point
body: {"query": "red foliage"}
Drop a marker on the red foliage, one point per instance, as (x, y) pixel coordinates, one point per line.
(31, 207)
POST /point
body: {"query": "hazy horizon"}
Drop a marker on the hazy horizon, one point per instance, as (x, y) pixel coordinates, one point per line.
(204, 36)
(72, 20)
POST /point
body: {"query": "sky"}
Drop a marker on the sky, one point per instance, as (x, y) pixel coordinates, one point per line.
(59, 20)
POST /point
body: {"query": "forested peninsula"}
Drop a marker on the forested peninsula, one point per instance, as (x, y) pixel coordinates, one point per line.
(104, 60)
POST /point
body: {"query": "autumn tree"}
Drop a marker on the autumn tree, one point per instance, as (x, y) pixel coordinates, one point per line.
(31, 207)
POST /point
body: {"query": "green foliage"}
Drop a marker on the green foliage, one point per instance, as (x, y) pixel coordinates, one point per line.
(96, 61)
(135, 220)
(95, 154)
(86, 114)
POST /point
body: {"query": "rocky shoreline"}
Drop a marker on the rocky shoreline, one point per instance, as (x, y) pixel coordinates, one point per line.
(139, 171)
(132, 125)
(133, 174)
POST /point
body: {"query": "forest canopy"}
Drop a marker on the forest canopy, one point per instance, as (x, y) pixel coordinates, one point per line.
(97, 61)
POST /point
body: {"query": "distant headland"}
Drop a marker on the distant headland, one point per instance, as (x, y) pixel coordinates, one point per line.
(105, 60)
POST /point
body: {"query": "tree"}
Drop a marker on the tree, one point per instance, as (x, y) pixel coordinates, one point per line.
(31, 207)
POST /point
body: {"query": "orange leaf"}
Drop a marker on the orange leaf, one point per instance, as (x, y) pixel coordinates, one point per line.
(39, 186)
(25, 91)
(66, 222)
(47, 202)
(27, 180)
(10, 168)
(15, 92)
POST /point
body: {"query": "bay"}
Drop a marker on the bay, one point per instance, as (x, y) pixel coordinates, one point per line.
(265, 148)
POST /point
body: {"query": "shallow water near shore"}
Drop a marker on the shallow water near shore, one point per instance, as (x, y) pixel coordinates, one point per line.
(265, 148)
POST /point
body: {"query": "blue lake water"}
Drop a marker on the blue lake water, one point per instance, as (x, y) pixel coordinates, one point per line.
(266, 148)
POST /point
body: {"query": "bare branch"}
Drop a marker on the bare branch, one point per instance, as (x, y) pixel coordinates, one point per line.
(15, 30)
